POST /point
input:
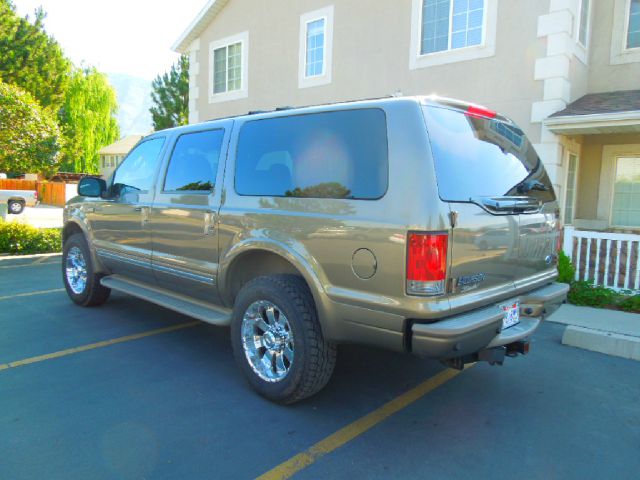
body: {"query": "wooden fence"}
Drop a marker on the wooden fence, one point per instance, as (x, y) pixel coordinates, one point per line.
(49, 193)
(604, 258)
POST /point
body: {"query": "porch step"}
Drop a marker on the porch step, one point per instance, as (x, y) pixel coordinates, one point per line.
(202, 311)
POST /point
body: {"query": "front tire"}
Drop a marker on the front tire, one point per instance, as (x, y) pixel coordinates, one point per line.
(277, 340)
(15, 207)
(80, 280)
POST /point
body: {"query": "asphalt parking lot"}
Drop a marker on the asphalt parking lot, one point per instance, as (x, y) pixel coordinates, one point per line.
(131, 390)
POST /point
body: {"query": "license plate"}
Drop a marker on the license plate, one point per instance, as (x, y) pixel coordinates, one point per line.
(511, 313)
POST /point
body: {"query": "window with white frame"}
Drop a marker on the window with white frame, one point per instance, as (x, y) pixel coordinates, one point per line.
(449, 31)
(583, 22)
(315, 48)
(625, 211)
(451, 24)
(316, 45)
(570, 189)
(633, 27)
(228, 68)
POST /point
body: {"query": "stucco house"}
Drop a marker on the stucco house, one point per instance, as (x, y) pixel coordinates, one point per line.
(112, 155)
(567, 71)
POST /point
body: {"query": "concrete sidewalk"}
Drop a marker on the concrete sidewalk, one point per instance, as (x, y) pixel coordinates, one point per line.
(606, 331)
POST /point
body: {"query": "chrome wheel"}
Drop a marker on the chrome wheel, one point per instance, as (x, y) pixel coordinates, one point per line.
(267, 341)
(15, 207)
(76, 270)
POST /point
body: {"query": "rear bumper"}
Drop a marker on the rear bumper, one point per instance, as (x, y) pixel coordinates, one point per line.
(477, 330)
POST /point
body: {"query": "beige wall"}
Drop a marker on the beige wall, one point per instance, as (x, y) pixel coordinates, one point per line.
(604, 77)
(371, 51)
(589, 170)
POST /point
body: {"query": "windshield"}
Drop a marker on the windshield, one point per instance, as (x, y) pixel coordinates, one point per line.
(483, 157)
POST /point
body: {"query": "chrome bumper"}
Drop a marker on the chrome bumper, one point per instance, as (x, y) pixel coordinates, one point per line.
(480, 329)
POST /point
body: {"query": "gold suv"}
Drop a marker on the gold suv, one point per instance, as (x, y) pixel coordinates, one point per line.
(420, 225)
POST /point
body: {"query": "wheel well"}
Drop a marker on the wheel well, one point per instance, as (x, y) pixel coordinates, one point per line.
(19, 200)
(251, 265)
(70, 229)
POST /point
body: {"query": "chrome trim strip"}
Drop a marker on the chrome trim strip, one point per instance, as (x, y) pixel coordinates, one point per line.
(183, 274)
(122, 258)
(171, 271)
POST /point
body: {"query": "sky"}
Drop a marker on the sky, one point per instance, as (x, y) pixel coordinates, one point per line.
(133, 37)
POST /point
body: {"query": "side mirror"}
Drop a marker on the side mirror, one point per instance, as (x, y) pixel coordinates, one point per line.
(91, 187)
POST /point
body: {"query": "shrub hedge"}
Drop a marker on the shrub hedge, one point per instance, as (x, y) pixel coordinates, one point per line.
(586, 294)
(21, 239)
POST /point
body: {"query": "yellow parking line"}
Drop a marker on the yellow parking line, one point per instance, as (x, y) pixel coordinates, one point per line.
(357, 428)
(92, 346)
(30, 294)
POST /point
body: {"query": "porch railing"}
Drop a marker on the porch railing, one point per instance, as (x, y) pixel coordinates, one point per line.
(608, 259)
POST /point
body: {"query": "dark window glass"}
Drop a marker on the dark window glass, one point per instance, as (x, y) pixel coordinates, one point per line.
(194, 161)
(341, 154)
(137, 170)
(482, 157)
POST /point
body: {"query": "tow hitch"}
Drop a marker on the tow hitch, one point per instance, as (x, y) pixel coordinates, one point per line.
(493, 356)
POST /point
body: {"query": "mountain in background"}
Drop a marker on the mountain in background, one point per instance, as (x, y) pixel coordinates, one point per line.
(134, 101)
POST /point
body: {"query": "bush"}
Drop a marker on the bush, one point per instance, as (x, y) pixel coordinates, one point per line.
(566, 270)
(22, 239)
(630, 304)
(586, 294)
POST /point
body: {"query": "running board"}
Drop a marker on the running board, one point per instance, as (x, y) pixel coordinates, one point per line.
(202, 311)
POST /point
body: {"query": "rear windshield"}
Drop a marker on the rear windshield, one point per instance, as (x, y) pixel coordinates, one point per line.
(483, 157)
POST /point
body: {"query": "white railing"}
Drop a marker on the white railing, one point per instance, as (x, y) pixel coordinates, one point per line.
(608, 259)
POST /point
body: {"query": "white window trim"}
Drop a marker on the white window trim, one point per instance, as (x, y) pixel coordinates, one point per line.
(619, 52)
(582, 51)
(242, 38)
(568, 153)
(608, 175)
(325, 13)
(487, 47)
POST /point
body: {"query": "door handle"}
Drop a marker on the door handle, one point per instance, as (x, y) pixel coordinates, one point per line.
(137, 209)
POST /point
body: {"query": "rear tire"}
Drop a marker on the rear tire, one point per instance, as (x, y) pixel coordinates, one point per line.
(277, 340)
(15, 207)
(80, 280)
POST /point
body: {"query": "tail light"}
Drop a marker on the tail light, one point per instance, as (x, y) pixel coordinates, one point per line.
(426, 263)
(35, 195)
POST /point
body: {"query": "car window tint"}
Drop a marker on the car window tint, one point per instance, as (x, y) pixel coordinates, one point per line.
(483, 157)
(340, 154)
(137, 170)
(194, 162)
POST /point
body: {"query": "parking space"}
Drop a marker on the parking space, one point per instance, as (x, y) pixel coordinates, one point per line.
(165, 400)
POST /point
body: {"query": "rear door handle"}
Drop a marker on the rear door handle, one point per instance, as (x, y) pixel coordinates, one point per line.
(137, 209)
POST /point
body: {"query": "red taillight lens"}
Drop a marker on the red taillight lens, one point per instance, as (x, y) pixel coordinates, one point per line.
(427, 257)
(480, 112)
(35, 195)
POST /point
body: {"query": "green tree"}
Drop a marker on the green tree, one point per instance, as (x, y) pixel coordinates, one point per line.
(170, 96)
(31, 59)
(88, 120)
(30, 139)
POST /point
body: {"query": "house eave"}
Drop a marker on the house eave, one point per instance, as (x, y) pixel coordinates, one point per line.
(598, 123)
(198, 25)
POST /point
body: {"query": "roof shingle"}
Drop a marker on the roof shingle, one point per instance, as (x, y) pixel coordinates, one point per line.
(609, 102)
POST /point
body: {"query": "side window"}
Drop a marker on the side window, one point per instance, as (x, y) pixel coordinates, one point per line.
(340, 154)
(137, 170)
(194, 162)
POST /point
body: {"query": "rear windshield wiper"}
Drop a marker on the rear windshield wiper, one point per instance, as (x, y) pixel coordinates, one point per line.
(527, 186)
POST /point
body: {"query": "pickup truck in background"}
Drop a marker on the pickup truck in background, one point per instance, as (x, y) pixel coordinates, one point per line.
(16, 200)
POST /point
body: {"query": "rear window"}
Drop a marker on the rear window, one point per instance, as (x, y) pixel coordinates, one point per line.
(341, 154)
(483, 157)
